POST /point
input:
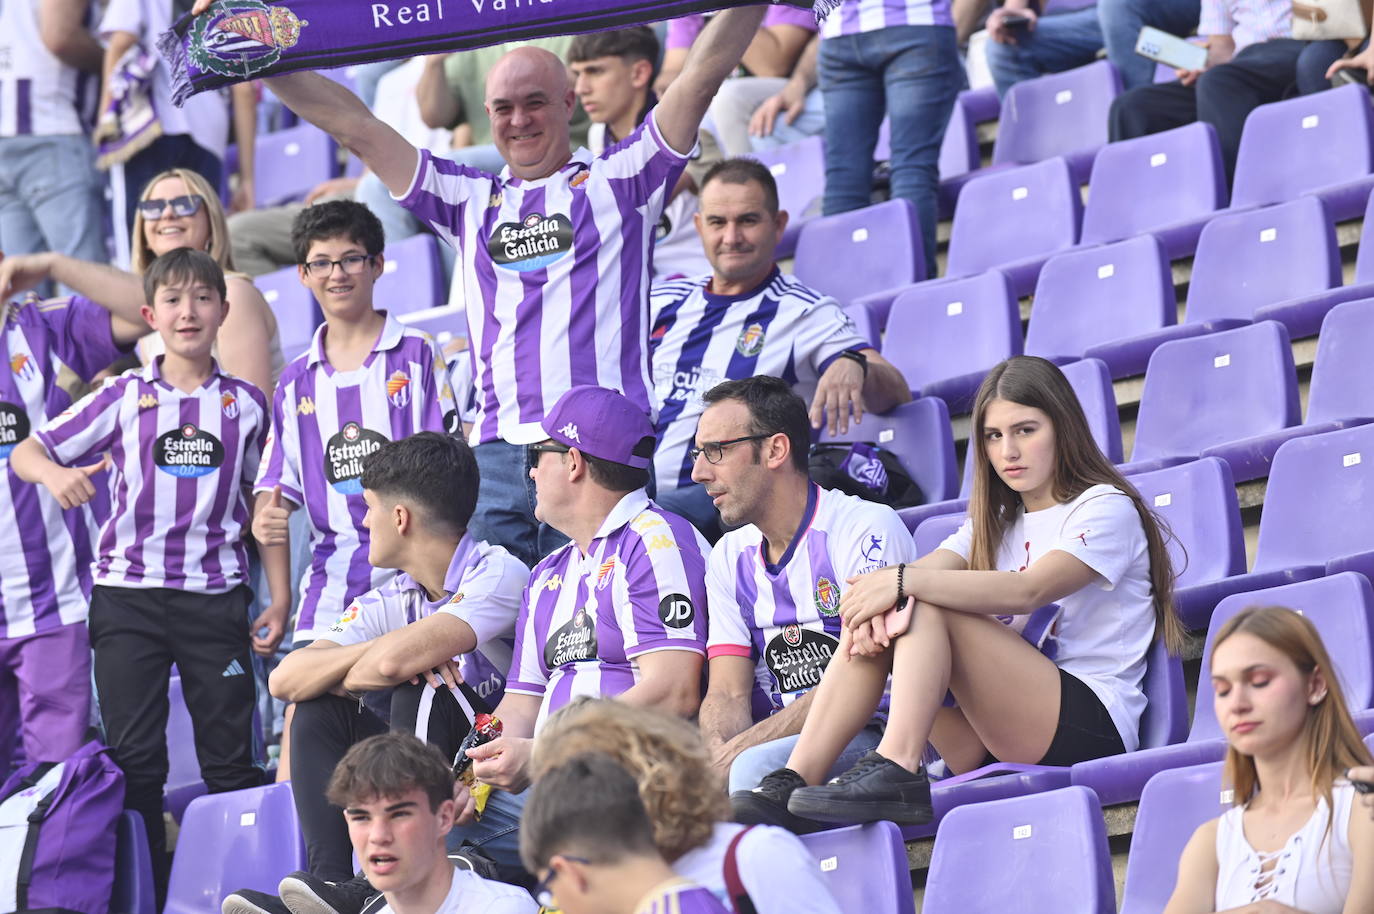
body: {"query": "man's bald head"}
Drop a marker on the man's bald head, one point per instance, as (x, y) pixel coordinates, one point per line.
(530, 103)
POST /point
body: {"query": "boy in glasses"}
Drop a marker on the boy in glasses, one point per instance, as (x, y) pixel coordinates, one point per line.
(397, 797)
(366, 379)
(170, 577)
(587, 833)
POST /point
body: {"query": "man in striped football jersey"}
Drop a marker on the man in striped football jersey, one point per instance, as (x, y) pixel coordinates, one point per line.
(774, 584)
(748, 318)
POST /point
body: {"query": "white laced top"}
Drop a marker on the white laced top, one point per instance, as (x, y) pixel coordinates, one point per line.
(1307, 873)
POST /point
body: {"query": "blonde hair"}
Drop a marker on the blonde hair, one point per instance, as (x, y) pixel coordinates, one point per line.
(142, 255)
(1330, 739)
(681, 792)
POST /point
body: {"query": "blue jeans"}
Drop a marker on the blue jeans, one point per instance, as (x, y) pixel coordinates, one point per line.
(497, 833)
(504, 515)
(1059, 42)
(751, 765)
(51, 197)
(910, 73)
(810, 122)
(1121, 21)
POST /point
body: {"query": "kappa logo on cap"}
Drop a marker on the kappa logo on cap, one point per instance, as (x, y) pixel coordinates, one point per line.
(571, 431)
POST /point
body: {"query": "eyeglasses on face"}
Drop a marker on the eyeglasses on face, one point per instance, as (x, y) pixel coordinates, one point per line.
(185, 205)
(353, 264)
(543, 895)
(714, 451)
(534, 450)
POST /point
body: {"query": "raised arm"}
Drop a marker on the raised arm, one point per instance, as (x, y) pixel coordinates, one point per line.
(61, 29)
(440, 108)
(715, 53)
(775, 49)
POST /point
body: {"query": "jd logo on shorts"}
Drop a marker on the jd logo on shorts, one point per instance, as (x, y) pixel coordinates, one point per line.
(188, 451)
(343, 457)
(574, 642)
(532, 244)
(675, 610)
(14, 427)
(797, 657)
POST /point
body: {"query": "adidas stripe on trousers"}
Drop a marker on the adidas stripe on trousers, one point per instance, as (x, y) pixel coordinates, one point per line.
(137, 634)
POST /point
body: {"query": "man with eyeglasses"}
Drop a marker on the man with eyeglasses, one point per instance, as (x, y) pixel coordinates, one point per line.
(618, 612)
(774, 584)
(748, 318)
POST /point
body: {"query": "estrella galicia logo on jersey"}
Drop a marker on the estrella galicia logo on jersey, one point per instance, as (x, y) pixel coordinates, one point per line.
(344, 454)
(827, 597)
(398, 389)
(750, 342)
(676, 610)
(22, 365)
(14, 428)
(574, 642)
(798, 656)
(238, 38)
(532, 244)
(188, 451)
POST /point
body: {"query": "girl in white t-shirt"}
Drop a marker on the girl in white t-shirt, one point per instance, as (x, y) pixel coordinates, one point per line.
(1290, 844)
(1050, 521)
(685, 800)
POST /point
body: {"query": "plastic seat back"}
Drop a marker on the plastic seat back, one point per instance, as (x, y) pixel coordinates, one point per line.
(1198, 501)
(1058, 114)
(865, 867)
(919, 434)
(412, 276)
(1172, 806)
(850, 255)
(1340, 375)
(1013, 215)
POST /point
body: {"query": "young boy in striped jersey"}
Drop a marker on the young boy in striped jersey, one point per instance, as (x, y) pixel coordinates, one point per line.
(170, 578)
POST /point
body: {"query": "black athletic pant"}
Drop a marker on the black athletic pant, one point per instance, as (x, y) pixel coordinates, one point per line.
(137, 634)
(322, 730)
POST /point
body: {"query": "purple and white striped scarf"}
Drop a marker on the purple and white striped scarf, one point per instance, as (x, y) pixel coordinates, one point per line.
(238, 40)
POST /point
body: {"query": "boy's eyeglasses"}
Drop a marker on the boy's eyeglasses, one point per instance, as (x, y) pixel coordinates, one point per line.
(352, 265)
(543, 895)
(185, 205)
(534, 450)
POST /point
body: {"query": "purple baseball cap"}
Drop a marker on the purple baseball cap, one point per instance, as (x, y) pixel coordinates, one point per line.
(604, 423)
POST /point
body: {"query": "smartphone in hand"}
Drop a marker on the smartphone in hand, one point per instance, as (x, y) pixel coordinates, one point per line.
(1170, 50)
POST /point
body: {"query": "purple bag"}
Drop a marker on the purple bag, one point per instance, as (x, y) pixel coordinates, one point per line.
(57, 834)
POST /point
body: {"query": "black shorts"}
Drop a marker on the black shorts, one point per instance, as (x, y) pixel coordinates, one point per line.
(1085, 731)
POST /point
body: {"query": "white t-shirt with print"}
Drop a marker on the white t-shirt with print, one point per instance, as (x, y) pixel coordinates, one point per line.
(1104, 630)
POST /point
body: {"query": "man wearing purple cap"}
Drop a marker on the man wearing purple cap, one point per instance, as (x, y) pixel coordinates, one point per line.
(618, 612)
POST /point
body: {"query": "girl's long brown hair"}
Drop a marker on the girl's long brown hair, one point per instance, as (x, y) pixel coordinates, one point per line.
(1079, 465)
(1331, 739)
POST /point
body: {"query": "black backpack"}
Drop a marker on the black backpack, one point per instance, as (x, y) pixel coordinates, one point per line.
(866, 470)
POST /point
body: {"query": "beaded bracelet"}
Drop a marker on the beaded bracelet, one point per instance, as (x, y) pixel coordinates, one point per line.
(901, 591)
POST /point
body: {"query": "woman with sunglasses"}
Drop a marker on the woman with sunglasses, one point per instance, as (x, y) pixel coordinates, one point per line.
(177, 209)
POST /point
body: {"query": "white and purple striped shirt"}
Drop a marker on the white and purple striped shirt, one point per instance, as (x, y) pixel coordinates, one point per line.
(1247, 21)
(781, 328)
(556, 273)
(586, 618)
(181, 462)
(786, 617)
(39, 94)
(52, 349)
(856, 16)
(324, 422)
(483, 587)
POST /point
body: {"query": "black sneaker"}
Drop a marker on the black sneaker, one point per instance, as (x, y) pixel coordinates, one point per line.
(766, 804)
(307, 894)
(875, 789)
(247, 901)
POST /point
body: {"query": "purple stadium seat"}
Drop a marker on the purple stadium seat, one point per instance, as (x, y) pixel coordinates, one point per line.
(183, 768)
(242, 839)
(133, 883)
(1245, 261)
(944, 336)
(865, 867)
(1198, 502)
(1059, 114)
(1095, 295)
(799, 170)
(412, 276)
(960, 155)
(919, 434)
(291, 162)
(1320, 144)
(1340, 388)
(1223, 395)
(297, 312)
(863, 251)
(1302, 315)
(442, 323)
(1172, 806)
(1015, 220)
(1166, 184)
(1046, 852)
(933, 531)
(1340, 606)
